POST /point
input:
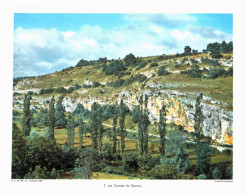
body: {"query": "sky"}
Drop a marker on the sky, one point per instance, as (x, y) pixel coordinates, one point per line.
(45, 43)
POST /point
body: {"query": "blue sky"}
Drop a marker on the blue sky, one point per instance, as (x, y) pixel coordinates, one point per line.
(44, 43)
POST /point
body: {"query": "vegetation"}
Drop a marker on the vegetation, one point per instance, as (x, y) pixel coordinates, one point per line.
(52, 143)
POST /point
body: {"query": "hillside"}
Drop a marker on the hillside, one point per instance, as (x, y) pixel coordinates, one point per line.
(175, 79)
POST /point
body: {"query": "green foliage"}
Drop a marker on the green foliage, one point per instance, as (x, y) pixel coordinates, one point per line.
(69, 155)
(26, 125)
(41, 173)
(43, 151)
(217, 72)
(46, 91)
(181, 175)
(176, 147)
(130, 60)
(202, 176)
(107, 111)
(211, 62)
(81, 132)
(51, 118)
(19, 148)
(122, 115)
(141, 65)
(163, 172)
(70, 89)
(203, 158)
(60, 90)
(162, 71)
(96, 84)
(187, 49)
(60, 120)
(220, 47)
(87, 162)
(130, 162)
(117, 83)
(115, 116)
(153, 65)
(114, 68)
(146, 163)
(162, 129)
(70, 130)
(95, 123)
(135, 113)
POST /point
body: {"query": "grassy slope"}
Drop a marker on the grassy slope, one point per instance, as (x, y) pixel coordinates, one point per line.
(219, 89)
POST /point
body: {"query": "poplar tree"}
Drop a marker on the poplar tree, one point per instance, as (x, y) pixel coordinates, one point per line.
(60, 119)
(100, 129)
(114, 129)
(202, 148)
(94, 126)
(26, 126)
(145, 124)
(51, 118)
(162, 129)
(122, 116)
(140, 124)
(81, 132)
(70, 130)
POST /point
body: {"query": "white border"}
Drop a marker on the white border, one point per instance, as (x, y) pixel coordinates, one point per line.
(7, 10)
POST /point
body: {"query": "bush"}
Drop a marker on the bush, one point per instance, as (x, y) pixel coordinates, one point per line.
(130, 60)
(162, 71)
(216, 72)
(202, 176)
(153, 65)
(211, 62)
(130, 162)
(117, 83)
(141, 65)
(60, 90)
(70, 89)
(96, 84)
(86, 86)
(30, 93)
(163, 172)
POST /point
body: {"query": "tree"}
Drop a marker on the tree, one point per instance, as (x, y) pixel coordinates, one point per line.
(202, 148)
(51, 118)
(81, 132)
(130, 59)
(86, 163)
(178, 151)
(203, 158)
(162, 71)
(70, 130)
(140, 124)
(114, 129)
(162, 129)
(122, 115)
(60, 120)
(187, 50)
(94, 123)
(145, 124)
(19, 148)
(26, 126)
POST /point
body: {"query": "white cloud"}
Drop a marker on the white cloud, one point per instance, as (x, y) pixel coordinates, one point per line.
(41, 51)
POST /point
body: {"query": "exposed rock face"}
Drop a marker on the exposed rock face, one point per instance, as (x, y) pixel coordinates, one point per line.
(218, 123)
(181, 109)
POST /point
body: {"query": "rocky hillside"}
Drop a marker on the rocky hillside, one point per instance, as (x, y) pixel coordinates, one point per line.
(175, 80)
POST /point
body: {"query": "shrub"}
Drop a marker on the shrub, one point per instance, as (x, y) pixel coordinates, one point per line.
(211, 62)
(60, 90)
(86, 86)
(202, 176)
(130, 60)
(216, 72)
(30, 93)
(153, 65)
(162, 71)
(96, 84)
(142, 64)
(130, 162)
(163, 172)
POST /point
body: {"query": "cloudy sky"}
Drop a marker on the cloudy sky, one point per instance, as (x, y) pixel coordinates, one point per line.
(44, 43)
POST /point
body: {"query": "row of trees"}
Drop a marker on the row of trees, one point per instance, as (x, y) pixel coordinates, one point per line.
(175, 145)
